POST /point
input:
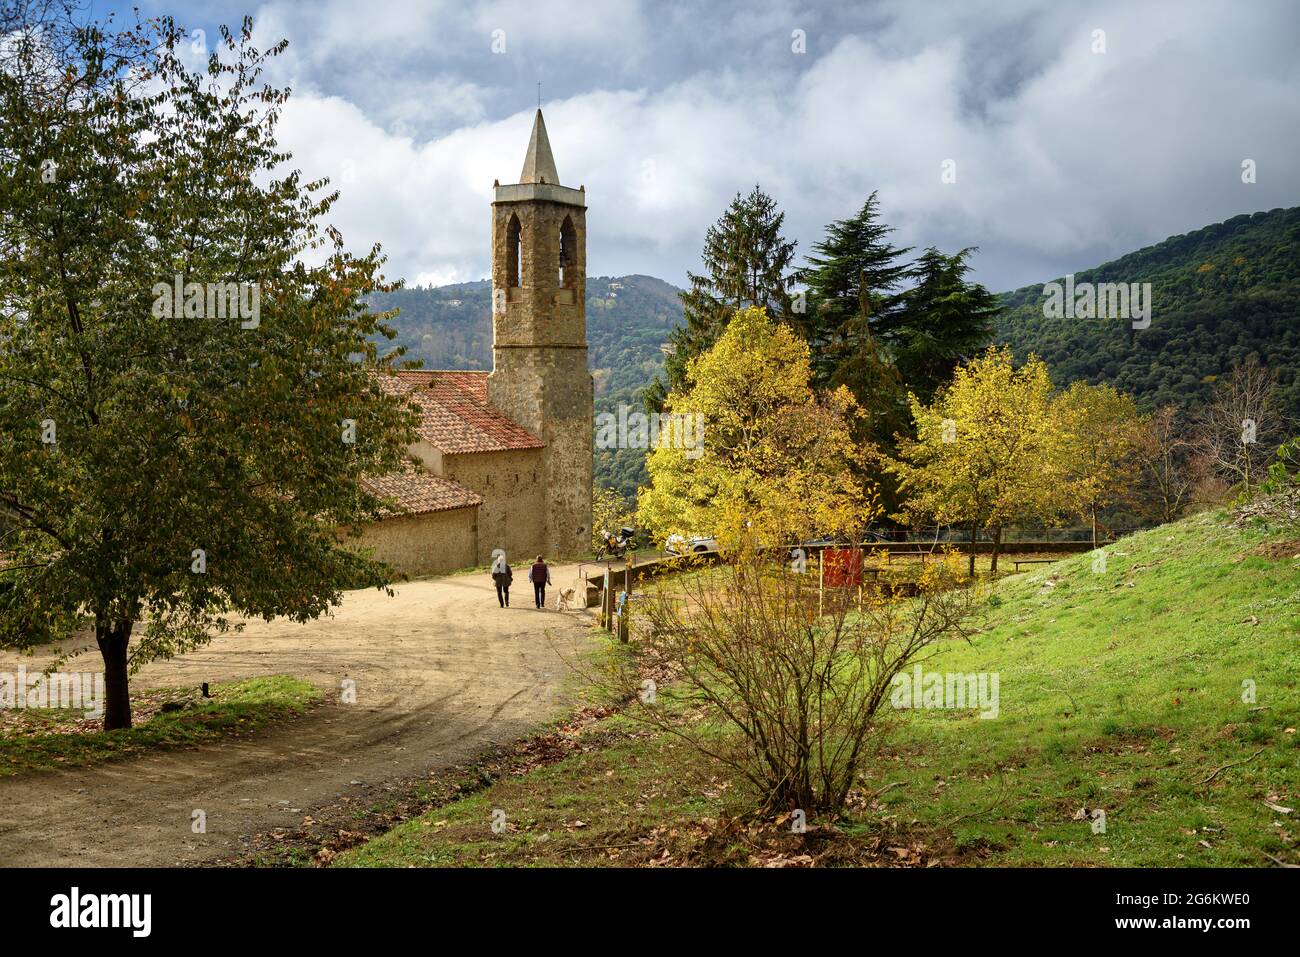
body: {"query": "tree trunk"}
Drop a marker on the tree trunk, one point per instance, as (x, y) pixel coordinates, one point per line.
(997, 547)
(974, 531)
(1094, 528)
(112, 638)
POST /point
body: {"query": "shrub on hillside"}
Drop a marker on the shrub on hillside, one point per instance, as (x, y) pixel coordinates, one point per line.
(801, 674)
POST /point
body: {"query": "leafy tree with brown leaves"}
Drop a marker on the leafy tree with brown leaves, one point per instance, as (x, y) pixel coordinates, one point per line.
(1169, 467)
(1241, 426)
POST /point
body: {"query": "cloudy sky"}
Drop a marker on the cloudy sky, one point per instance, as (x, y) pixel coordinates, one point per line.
(1070, 146)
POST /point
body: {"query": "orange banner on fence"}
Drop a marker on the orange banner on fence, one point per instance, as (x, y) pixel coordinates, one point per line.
(842, 567)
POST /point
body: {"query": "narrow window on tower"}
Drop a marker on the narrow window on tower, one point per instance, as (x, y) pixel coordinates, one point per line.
(568, 255)
(514, 253)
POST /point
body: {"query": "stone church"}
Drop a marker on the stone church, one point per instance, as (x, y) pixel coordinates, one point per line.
(505, 457)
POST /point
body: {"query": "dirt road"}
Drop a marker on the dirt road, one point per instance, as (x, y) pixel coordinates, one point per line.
(441, 674)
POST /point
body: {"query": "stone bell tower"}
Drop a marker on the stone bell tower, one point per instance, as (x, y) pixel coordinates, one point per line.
(539, 335)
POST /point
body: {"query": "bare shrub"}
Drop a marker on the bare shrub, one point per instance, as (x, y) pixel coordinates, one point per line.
(804, 677)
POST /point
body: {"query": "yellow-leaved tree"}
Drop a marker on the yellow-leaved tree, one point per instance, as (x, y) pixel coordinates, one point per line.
(986, 451)
(1099, 431)
(774, 460)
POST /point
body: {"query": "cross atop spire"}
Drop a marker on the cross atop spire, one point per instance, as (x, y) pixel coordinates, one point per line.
(539, 164)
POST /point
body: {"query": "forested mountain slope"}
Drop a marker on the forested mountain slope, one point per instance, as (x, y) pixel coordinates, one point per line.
(1218, 294)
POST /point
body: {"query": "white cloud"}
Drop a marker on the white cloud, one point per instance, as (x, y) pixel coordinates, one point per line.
(1064, 157)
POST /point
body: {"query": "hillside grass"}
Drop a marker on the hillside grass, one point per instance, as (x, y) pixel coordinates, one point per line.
(1123, 690)
(1120, 689)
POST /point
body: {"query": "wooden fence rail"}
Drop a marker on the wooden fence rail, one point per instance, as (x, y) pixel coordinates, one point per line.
(609, 583)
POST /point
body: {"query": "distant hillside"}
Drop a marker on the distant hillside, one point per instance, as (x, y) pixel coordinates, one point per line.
(1218, 294)
(628, 319)
(446, 327)
(626, 328)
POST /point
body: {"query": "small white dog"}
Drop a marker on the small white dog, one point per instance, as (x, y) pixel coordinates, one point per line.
(566, 599)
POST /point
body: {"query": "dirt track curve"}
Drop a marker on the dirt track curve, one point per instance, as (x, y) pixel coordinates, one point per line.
(442, 674)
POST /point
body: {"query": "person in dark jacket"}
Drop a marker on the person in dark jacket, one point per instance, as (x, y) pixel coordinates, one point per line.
(540, 576)
(502, 576)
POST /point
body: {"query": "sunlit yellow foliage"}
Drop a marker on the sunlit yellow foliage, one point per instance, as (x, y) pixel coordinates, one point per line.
(985, 453)
(776, 458)
(1098, 431)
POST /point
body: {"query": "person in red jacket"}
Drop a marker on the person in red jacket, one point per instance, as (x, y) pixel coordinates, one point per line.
(540, 576)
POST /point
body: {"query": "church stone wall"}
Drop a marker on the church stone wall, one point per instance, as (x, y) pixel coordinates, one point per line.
(419, 545)
(513, 513)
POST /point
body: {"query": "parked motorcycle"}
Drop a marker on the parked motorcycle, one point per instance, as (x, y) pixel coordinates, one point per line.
(615, 545)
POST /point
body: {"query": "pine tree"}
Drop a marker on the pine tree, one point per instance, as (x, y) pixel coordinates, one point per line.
(746, 263)
(851, 285)
(939, 323)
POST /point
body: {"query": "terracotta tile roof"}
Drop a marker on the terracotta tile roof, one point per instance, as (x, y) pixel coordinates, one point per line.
(472, 383)
(455, 414)
(414, 491)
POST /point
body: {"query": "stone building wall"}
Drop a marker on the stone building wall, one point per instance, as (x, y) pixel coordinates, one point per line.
(432, 543)
(513, 513)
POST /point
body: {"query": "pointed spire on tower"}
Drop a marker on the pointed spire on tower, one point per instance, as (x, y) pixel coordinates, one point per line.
(539, 164)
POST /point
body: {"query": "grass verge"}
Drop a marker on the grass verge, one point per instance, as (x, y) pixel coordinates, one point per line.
(36, 740)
